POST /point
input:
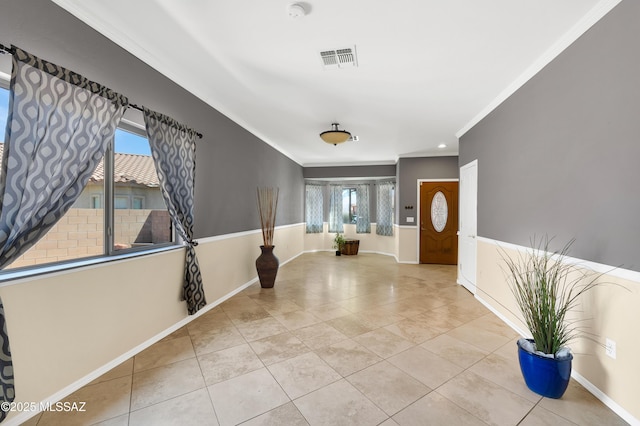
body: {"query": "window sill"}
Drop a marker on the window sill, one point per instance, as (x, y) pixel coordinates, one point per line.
(10, 276)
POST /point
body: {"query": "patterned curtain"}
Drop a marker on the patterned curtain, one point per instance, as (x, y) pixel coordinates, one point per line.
(384, 222)
(363, 224)
(58, 128)
(335, 209)
(313, 208)
(174, 154)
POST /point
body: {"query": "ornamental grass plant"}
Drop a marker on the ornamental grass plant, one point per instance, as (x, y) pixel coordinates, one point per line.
(547, 288)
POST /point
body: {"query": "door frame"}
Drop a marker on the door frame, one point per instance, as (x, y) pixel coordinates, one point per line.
(462, 279)
(417, 217)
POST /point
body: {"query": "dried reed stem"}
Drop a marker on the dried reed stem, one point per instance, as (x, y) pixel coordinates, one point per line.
(267, 206)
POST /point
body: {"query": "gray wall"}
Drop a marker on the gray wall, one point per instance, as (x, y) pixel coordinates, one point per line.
(410, 170)
(230, 163)
(560, 156)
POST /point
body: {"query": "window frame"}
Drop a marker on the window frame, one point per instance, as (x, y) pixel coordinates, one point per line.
(352, 217)
(106, 200)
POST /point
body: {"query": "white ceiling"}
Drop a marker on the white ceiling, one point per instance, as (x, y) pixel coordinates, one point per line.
(427, 70)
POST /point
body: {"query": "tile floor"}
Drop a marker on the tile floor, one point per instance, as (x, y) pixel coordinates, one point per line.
(357, 340)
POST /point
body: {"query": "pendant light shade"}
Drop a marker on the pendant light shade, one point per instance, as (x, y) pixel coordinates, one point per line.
(335, 135)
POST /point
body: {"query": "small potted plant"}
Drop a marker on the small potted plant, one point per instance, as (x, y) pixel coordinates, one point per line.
(338, 243)
(546, 289)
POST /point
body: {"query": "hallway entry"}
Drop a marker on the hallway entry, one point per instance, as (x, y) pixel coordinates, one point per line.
(439, 222)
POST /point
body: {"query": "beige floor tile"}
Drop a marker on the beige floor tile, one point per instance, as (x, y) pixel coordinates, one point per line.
(303, 374)
(425, 366)
(347, 357)
(206, 342)
(228, 363)
(474, 334)
(383, 342)
(484, 399)
(259, 329)
(350, 325)
(297, 319)
(124, 369)
(166, 382)
(411, 307)
(319, 335)
(376, 318)
(414, 330)
(328, 312)
(122, 420)
(340, 403)
(504, 373)
(163, 353)
(465, 310)
(247, 396)
(281, 307)
(278, 348)
(33, 421)
(440, 323)
(389, 422)
(581, 407)
(454, 350)
(181, 332)
(246, 313)
(286, 414)
(102, 401)
(541, 417)
(434, 409)
(192, 409)
(209, 323)
(388, 387)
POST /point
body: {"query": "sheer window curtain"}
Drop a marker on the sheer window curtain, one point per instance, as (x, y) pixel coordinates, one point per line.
(58, 128)
(335, 209)
(173, 150)
(384, 221)
(363, 223)
(313, 208)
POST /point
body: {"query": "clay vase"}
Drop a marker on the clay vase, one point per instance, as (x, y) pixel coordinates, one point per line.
(267, 266)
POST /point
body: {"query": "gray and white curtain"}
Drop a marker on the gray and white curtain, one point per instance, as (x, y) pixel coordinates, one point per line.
(58, 128)
(313, 208)
(384, 210)
(363, 223)
(335, 209)
(173, 150)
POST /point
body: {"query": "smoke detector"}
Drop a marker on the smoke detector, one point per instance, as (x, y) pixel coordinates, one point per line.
(296, 11)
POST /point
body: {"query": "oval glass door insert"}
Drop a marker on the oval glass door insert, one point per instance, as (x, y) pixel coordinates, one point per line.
(439, 211)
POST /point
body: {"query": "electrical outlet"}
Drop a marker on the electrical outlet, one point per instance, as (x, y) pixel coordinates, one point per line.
(610, 348)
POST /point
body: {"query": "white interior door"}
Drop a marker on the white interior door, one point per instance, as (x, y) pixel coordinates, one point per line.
(467, 243)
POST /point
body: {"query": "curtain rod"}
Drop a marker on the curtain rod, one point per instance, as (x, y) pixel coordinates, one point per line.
(4, 50)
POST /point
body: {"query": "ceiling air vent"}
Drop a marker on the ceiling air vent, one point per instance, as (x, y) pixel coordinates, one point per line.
(339, 58)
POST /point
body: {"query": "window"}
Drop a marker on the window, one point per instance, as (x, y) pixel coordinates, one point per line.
(121, 202)
(349, 205)
(96, 201)
(100, 223)
(137, 203)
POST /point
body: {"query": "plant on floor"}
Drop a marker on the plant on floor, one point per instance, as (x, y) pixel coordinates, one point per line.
(547, 288)
(338, 243)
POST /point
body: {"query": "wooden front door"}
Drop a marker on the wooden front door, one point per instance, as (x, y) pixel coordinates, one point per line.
(439, 222)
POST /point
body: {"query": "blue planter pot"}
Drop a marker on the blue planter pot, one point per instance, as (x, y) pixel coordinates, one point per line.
(548, 377)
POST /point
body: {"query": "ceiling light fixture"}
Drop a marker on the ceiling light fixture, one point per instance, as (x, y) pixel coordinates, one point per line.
(335, 135)
(442, 146)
